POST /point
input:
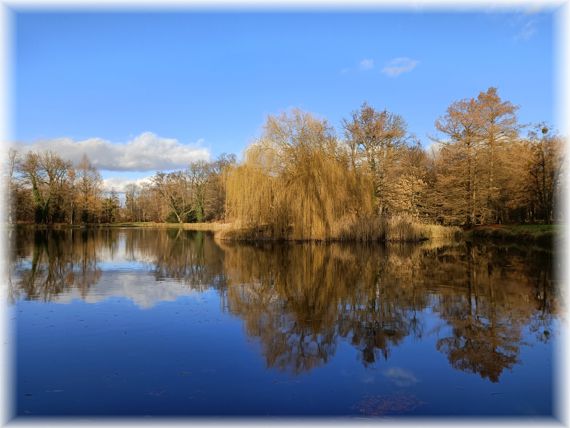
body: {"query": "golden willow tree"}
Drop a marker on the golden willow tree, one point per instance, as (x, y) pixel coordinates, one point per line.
(299, 182)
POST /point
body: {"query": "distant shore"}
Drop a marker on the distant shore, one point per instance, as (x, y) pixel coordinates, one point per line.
(539, 234)
(211, 227)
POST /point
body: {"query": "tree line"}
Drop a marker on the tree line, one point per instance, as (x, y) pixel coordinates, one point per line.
(46, 189)
(301, 179)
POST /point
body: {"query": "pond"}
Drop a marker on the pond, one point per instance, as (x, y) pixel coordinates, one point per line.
(167, 322)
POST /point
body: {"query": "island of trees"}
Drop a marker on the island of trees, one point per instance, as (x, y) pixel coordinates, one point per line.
(302, 180)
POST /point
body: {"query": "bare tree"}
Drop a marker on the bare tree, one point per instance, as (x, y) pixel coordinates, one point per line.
(198, 174)
(215, 195)
(175, 191)
(11, 182)
(88, 187)
(377, 137)
(544, 172)
(47, 175)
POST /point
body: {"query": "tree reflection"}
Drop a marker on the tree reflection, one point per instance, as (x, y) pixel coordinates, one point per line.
(59, 260)
(191, 257)
(297, 298)
(300, 300)
(287, 297)
(491, 300)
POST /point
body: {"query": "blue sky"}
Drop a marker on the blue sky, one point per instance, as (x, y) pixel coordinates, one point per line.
(202, 83)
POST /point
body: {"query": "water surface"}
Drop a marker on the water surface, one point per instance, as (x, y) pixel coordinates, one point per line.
(142, 322)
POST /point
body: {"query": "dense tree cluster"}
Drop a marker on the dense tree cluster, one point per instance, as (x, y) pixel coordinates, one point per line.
(302, 180)
(485, 172)
(45, 189)
(378, 181)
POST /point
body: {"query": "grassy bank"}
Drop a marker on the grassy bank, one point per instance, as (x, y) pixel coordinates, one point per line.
(211, 227)
(539, 234)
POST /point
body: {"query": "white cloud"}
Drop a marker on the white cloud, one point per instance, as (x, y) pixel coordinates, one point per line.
(138, 286)
(400, 377)
(366, 64)
(434, 148)
(526, 31)
(525, 24)
(397, 66)
(119, 184)
(146, 152)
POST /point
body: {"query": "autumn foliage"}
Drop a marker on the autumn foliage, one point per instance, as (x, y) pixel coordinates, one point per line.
(296, 183)
(302, 180)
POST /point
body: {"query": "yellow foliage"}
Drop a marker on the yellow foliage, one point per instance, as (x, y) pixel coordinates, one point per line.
(296, 183)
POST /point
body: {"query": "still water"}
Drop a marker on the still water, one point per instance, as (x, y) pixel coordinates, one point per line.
(143, 322)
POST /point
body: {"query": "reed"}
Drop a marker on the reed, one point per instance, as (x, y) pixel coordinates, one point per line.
(402, 228)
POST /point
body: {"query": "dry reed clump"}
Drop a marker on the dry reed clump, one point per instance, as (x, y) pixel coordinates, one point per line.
(358, 228)
(402, 228)
(437, 231)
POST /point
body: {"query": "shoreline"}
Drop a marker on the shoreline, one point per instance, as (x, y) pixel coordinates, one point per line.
(535, 234)
(210, 227)
(539, 234)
